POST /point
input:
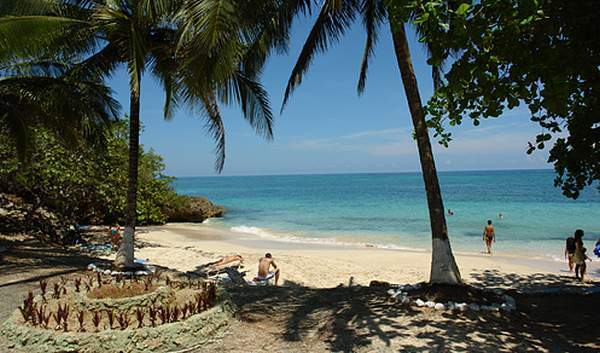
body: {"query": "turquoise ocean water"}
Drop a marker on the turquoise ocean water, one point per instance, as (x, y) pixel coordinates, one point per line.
(390, 209)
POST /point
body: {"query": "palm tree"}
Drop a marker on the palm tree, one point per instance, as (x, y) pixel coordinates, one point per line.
(334, 18)
(36, 94)
(203, 53)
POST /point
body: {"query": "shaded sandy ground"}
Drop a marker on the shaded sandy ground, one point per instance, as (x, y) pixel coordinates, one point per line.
(25, 261)
(362, 319)
(347, 319)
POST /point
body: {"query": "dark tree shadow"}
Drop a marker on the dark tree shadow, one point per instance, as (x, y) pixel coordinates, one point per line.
(21, 258)
(537, 282)
(352, 319)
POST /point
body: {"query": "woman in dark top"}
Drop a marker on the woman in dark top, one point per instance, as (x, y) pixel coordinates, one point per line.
(579, 256)
(570, 251)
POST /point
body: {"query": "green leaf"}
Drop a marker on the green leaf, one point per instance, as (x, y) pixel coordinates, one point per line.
(462, 9)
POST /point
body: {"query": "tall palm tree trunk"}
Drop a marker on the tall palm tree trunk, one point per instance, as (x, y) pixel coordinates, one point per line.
(443, 265)
(124, 257)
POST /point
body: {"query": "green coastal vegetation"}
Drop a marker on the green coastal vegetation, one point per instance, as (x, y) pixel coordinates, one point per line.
(65, 148)
(87, 184)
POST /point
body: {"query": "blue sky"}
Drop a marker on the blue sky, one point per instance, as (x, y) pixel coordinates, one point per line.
(326, 127)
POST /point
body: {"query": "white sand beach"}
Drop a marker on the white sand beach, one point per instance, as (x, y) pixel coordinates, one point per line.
(185, 246)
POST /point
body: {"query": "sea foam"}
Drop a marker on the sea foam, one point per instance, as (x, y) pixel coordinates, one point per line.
(287, 237)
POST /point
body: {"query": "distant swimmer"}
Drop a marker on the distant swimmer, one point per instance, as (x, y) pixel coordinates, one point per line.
(450, 212)
(489, 236)
(500, 216)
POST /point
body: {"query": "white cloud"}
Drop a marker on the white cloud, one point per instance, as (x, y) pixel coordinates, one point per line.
(490, 140)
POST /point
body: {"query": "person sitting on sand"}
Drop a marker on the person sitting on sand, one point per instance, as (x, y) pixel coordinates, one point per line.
(570, 251)
(264, 266)
(579, 256)
(489, 236)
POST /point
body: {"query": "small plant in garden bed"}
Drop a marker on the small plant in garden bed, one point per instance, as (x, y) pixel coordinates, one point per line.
(124, 320)
(96, 318)
(43, 287)
(28, 309)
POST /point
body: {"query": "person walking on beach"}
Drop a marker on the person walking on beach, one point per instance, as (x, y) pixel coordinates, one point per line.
(570, 251)
(489, 236)
(264, 269)
(579, 256)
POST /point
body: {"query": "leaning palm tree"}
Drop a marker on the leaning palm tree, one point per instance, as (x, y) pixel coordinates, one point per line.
(203, 52)
(334, 18)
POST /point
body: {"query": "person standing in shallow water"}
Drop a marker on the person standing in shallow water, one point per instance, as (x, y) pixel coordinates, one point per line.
(579, 256)
(570, 251)
(489, 236)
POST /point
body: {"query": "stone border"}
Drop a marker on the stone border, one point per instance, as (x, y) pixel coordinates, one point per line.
(400, 294)
(190, 332)
(84, 302)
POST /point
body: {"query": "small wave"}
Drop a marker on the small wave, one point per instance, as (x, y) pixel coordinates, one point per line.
(556, 258)
(263, 233)
(252, 230)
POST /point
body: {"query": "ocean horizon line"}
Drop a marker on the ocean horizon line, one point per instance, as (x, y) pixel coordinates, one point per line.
(363, 173)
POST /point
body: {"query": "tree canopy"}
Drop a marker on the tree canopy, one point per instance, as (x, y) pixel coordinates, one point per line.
(86, 183)
(543, 54)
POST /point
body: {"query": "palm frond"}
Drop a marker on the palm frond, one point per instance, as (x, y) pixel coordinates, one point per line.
(334, 18)
(216, 129)
(254, 101)
(373, 13)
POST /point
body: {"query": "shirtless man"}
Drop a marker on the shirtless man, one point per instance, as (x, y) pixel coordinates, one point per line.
(264, 266)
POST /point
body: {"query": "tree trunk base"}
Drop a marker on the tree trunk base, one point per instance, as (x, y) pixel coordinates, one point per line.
(443, 266)
(124, 259)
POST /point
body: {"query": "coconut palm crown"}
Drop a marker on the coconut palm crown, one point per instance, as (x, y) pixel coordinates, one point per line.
(204, 53)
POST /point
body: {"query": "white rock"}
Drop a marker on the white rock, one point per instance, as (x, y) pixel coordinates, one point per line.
(419, 302)
(107, 272)
(391, 292)
(474, 307)
(116, 273)
(141, 273)
(461, 306)
(440, 306)
(405, 300)
(512, 302)
(506, 307)
(91, 266)
(509, 300)
(430, 304)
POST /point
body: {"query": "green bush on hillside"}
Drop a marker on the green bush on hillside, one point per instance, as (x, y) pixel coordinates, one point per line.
(86, 184)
